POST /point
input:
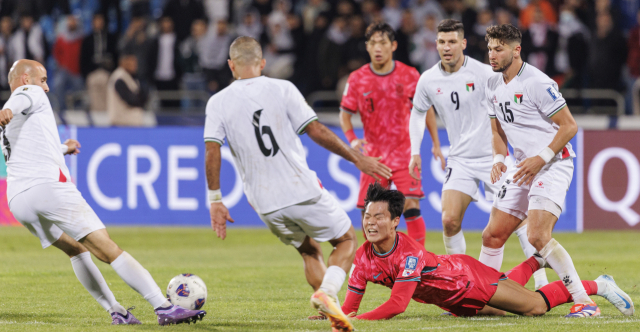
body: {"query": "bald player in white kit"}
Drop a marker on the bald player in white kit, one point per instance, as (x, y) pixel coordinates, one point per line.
(42, 197)
(261, 118)
(454, 87)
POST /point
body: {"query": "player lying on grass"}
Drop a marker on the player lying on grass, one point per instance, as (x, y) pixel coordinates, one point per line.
(43, 198)
(456, 283)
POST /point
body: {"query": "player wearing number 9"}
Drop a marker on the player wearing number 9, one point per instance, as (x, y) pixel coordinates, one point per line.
(526, 108)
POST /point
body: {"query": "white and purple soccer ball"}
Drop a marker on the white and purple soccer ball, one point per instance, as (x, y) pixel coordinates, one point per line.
(188, 291)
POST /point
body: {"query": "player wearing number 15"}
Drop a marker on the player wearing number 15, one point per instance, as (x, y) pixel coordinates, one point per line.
(526, 108)
(381, 91)
(261, 119)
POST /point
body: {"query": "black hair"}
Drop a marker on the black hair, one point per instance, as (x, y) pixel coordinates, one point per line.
(394, 199)
(381, 27)
(450, 25)
(504, 33)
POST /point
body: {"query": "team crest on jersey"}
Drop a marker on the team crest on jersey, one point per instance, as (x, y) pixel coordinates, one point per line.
(438, 91)
(494, 99)
(470, 86)
(25, 89)
(410, 266)
(552, 93)
(399, 89)
(517, 98)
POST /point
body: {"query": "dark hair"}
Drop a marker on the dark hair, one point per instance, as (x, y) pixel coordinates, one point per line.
(381, 27)
(394, 199)
(504, 33)
(450, 25)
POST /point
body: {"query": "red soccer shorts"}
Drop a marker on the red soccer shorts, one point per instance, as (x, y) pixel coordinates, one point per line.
(408, 186)
(485, 284)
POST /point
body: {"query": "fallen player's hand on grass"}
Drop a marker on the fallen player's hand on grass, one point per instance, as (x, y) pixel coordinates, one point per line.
(219, 217)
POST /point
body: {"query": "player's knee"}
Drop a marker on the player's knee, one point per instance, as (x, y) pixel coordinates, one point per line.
(450, 223)
(493, 239)
(537, 238)
(538, 309)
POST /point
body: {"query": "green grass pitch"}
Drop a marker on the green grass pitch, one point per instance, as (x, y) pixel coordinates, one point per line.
(256, 283)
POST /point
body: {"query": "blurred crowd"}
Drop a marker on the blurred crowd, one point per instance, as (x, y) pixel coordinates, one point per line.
(183, 44)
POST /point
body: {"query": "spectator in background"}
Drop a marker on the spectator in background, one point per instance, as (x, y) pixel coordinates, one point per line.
(355, 49)
(503, 16)
(310, 12)
(66, 52)
(476, 45)
(6, 29)
(163, 61)
(539, 44)
(633, 62)
(126, 96)
(135, 40)
(330, 52)
(97, 59)
(279, 54)
(217, 72)
(528, 13)
(191, 50)
(425, 53)
(403, 36)
(28, 41)
(572, 48)
(423, 8)
(392, 13)
(345, 8)
(310, 71)
(250, 26)
(264, 7)
(183, 13)
(607, 55)
(218, 9)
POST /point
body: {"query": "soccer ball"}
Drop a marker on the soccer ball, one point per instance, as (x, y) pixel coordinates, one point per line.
(188, 291)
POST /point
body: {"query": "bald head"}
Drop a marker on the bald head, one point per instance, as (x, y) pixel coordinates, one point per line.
(245, 51)
(28, 72)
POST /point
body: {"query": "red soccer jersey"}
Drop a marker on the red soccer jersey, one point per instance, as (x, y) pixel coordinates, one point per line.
(384, 103)
(441, 280)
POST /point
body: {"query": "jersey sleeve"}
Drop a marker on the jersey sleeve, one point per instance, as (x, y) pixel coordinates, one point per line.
(490, 106)
(401, 294)
(355, 290)
(299, 112)
(414, 77)
(23, 100)
(545, 95)
(412, 267)
(349, 101)
(214, 130)
(421, 101)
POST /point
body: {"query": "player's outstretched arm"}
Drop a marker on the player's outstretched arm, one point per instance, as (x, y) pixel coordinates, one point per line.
(219, 213)
(324, 137)
(500, 150)
(398, 302)
(5, 117)
(530, 167)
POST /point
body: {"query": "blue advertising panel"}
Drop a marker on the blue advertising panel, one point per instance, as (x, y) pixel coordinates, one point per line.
(155, 176)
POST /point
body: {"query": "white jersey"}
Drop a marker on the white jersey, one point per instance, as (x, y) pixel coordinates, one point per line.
(31, 143)
(460, 101)
(524, 108)
(261, 118)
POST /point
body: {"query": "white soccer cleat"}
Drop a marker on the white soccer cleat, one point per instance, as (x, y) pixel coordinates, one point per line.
(615, 295)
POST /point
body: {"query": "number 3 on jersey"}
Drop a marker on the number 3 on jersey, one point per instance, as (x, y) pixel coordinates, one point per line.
(507, 115)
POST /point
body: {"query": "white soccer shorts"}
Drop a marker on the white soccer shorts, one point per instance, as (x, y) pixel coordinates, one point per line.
(465, 176)
(321, 218)
(49, 209)
(551, 182)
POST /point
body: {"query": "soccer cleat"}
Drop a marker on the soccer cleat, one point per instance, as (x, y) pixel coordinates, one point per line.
(176, 314)
(328, 306)
(584, 310)
(128, 319)
(616, 296)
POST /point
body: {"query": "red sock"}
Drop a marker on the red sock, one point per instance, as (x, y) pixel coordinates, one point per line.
(522, 273)
(556, 293)
(416, 228)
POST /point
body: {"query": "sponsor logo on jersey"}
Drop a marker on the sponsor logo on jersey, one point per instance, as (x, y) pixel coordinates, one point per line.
(552, 93)
(470, 86)
(366, 93)
(494, 99)
(25, 89)
(540, 184)
(517, 98)
(376, 277)
(438, 91)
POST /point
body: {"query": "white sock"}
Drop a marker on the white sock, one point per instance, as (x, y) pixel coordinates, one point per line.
(560, 261)
(90, 277)
(492, 257)
(333, 280)
(540, 276)
(138, 278)
(602, 287)
(455, 244)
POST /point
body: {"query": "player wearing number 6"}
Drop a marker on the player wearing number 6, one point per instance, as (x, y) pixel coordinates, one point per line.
(526, 108)
(455, 89)
(261, 119)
